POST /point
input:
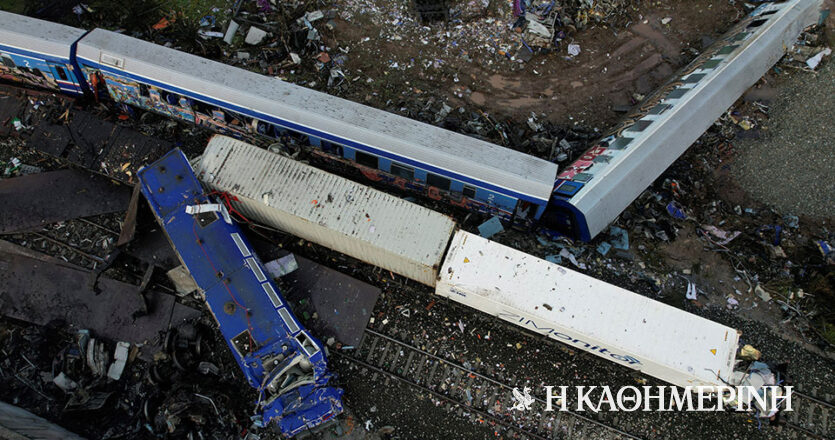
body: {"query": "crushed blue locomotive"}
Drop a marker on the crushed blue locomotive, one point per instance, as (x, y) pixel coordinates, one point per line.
(279, 358)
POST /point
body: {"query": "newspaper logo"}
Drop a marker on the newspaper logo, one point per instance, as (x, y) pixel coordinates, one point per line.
(523, 399)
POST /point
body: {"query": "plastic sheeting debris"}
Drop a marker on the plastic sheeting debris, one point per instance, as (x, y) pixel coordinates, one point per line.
(209, 207)
(692, 293)
(255, 36)
(765, 296)
(749, 353)
(120, 358)
(723, 237)
(564, 253)
(826, 250)
(676, 210)
(230, 32)
(281, 266)
(604, 248)
(815, 60)
(64, 383)
(792, 221)
(619, 238)
(490, 227)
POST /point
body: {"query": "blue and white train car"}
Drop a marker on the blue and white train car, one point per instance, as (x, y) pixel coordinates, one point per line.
(278, 357)
(39, 53)
(413, 155)
(591, 192)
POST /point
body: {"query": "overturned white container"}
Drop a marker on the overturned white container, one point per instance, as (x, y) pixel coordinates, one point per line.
(588, 314)
(321, 207)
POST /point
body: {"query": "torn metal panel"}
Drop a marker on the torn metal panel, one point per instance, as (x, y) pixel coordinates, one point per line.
(129, 225)
(183, 282)
(18, 424)
(40, 290)
(98, 145)
(343, 304)
(90, 135)
(153, 248)
(50, 139)
(38, 199)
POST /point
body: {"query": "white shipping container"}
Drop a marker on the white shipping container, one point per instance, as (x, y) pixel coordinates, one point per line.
(587, 314)
(321, 207)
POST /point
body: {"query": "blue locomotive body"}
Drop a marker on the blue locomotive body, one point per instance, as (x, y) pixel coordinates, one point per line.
(279, 358)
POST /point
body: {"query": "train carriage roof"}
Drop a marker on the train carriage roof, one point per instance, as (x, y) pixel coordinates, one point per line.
(37, 36)
(423, 143)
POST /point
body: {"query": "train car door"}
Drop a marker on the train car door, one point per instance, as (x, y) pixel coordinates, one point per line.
(63, 77)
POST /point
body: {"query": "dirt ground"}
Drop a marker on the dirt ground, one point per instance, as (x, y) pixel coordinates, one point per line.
(617, 63)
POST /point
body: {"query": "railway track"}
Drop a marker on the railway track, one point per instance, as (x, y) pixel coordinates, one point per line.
(811, 418)
(484, 397)
(85, 242)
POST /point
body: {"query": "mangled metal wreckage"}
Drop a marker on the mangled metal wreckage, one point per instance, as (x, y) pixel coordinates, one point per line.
(279, 358)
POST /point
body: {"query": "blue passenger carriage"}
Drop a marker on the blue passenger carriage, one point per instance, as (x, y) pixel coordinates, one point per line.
(461, 170)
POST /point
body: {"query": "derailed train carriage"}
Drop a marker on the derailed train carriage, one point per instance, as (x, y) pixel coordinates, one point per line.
(279, 358)
(585, 313)
(479, 176)
(39, 54)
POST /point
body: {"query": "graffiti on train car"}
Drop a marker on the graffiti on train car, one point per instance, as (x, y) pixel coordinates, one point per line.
(27, 70)
(591, 163)
(539, 326)
(148, 97)
(551, 332)
(491, 208)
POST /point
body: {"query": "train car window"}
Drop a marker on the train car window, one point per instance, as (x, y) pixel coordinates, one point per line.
(61, 73)
(172, 99)
(143, 91)
(694, 78)
(307, 344)
(640, 125)
(263, 128)
(468, 191)
(219, 115)
(658, 109)
(8, 62)
(757, 23)
(583, 177)
(676, 93)
(437, 181)
(403, 171)
(526, 210)
(620, 143)
(727, 49)
(331, 148)
(202, 107)
(367, 160)
(38, 72)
